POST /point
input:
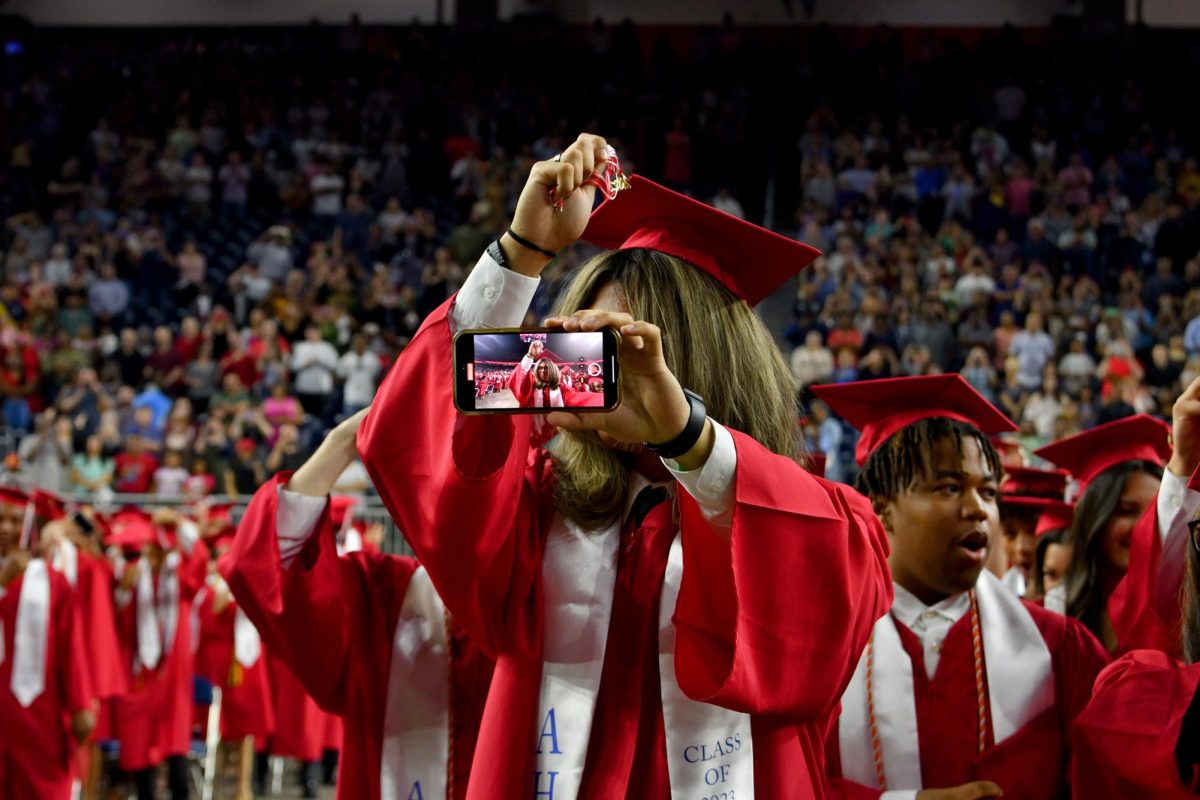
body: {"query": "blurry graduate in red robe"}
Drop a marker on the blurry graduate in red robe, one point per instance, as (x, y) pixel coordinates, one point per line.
(70, 544)
(1129, 534)
(45, 697)
(963, 690)
(1052, 557)
(389, 662)
(537, 382)
(674, 602)
(230, 655)
(161, 568)
(1025, 495)
(1140, 735)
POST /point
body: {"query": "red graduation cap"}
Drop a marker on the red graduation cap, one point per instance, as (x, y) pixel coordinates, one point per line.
(48, 505)
(1085, 455)
(880, 408)
(12, 496)
(748, 260)
(1026, 482)
(219, 521)
(133, 528)
(1012, 454)
(1056, 515)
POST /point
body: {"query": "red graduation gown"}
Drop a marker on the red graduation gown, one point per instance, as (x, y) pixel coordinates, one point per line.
(1138, 622)
(299, 721)
(246, 708)
(1124, 741)
(94, 596)
(1030, 764)
(154, 720)
(35, 742)
(333, 621)
(474, 499)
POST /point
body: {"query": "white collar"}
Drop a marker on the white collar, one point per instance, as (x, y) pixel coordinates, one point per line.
(909, 610)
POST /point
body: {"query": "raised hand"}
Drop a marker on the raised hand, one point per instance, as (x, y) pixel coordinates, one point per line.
(536, 348)
(552, 182)
(977, 790)
(1185, 431)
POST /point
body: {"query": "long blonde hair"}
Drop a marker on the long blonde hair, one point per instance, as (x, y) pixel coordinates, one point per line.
(714, 344)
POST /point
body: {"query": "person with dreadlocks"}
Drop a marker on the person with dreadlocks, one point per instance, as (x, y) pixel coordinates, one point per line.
(45, 694)
(636, 578)
(963, 691)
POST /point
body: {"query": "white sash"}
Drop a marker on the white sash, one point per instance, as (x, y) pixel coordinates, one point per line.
(1020, 677)
(1056, 599)
(247, 646)
(416, 727)
(66, 560)
(30, 638)
(579, 573)
(157, 617)
(709, 749)
(1014, 581)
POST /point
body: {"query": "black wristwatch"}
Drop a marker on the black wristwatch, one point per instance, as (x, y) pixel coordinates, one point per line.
(690, 434)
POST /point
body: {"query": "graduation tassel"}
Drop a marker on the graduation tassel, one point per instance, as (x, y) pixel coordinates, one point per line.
(237, 674)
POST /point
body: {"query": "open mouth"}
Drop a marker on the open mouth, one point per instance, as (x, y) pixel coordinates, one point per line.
(975, 543)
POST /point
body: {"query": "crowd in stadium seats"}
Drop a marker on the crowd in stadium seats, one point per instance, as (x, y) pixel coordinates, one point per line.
(215, 245)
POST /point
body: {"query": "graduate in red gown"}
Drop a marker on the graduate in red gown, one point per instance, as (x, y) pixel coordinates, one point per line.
(1130, 529)
(230, 655)
(162, 568)
(365, 634)
(70, 545)
(537, 382)
(662, 628)
(1140, 735)
(964, 690)
(45, 699)
(1025, 494)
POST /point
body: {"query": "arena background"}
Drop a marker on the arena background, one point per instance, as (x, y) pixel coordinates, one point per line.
(965, 166)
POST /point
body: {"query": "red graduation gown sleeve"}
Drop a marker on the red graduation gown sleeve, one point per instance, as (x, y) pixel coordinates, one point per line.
(329, 619)
(1138, 621)
(774, 620)
(1124, 741)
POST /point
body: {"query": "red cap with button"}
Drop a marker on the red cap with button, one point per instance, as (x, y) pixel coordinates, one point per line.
(1086, 455)
(1029, 482)
(881, 408)
(749, 260)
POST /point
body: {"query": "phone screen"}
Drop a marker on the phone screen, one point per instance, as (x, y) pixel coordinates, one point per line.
(535, 371)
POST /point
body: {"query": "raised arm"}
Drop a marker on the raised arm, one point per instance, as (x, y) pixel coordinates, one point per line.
(460, 486)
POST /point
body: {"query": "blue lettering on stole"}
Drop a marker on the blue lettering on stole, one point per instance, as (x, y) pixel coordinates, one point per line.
(550, 723)
(548, 792)
(415, 793)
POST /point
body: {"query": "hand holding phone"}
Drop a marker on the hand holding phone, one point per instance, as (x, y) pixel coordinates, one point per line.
(531, 371)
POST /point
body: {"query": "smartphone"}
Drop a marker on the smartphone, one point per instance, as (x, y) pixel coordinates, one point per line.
(536, 370)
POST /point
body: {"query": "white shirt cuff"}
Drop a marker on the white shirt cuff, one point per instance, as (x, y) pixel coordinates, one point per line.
(899, 794)
(492, 297)
(296, 518)
(1176, 504)
(712, 484)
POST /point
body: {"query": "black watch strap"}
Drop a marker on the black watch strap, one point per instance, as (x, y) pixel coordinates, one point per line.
(690, 434)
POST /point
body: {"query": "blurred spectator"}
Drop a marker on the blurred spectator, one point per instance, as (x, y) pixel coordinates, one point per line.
(360, 370)
(47, 452)
(314, 363)
(91, 470)
(1033, 349)
(245, 472)
(169, 479)
(813, 362)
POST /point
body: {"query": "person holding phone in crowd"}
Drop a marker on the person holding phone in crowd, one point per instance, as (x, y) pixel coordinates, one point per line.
(637, 581)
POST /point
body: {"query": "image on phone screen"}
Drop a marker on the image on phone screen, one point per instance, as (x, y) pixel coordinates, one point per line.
(519, 371)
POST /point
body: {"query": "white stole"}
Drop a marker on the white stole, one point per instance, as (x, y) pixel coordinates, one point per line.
(710, 750)
(1020, 676)
(157, 617)
(30, 639)
(66, 560)
(1056, 599)
(579, 574)
(416, 726)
